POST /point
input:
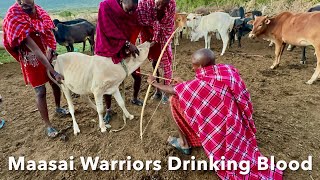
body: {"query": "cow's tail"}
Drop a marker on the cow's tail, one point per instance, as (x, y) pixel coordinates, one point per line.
(52, 79)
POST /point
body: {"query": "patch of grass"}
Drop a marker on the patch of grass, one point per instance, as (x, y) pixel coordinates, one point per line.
(5, 57)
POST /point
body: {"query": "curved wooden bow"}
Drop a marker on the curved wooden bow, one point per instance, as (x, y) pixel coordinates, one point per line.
(149, 87)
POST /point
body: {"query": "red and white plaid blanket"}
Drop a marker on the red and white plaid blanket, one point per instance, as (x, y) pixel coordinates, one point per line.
(18, 25)
(218, 107)
(162, 30)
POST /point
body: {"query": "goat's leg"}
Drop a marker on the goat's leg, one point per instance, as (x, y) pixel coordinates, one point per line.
(67, 94)
(206, 40)
(99, 103)
(120, 102)
(68, 48)
(209, 41)
(225, 40)
(91, 41)
(317, 71)
(71, 48)
(84, 46)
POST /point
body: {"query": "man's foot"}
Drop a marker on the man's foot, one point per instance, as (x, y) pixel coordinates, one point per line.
(173, 141)
(107, 117)
(62, 112)
(51, 132)
(2, 122)
(156, 95)
(136, 102)
(164, 99)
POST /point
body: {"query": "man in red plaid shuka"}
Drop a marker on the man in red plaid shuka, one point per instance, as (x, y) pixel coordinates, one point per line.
(157, 19)
(29, 39)
(215, 111)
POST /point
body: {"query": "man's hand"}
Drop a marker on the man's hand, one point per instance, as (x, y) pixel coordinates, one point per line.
(151, 79)
(133, 50)
(58, 77)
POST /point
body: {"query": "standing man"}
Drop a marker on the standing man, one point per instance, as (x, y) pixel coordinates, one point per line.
(117, 31)
(157, 19)
(29, 39)
(214, 111)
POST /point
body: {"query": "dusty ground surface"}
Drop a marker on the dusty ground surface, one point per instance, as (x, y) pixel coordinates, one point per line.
(286, 113)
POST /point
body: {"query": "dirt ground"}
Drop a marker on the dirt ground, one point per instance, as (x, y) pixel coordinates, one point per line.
(286, 113)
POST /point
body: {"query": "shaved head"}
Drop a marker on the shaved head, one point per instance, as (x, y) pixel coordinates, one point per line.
(203, 58)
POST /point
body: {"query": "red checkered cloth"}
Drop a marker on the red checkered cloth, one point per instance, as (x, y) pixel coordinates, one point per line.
(114, 28)
(17, 26)
(158, 27)
(178, 116)
(218, 108)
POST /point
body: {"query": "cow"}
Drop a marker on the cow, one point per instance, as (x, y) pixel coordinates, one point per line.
(180, 20)
(290, 47)
(97, 75)
(1, 40)
(240, 28)
(67, 35)
(253, 14)
(74, 21)
(215, 22)
(283, 29)
(237, 12)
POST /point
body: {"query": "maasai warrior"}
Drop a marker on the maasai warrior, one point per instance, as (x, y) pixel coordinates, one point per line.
(157, 19)
(29, 39)
(215, 111)
(117, 31)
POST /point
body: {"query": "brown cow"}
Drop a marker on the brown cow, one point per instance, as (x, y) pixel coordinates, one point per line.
(180, 20)
(301, 29)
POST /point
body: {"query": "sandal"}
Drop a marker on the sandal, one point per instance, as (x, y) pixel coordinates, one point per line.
(107, 117)
(2, 122)
(62, 111)
(51, 132)
(164, 99)
(136, 102)
(156, 95)
(174, 142)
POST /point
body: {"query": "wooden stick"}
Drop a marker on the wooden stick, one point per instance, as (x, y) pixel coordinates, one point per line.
(154, 76)
(149, 87)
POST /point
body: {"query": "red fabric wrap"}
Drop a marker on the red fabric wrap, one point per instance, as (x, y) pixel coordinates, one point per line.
(217, 106)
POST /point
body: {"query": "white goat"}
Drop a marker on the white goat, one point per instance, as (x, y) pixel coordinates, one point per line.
(215, 22)
(96, 75)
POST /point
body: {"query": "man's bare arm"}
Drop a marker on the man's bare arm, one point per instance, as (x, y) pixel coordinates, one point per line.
(29, 42)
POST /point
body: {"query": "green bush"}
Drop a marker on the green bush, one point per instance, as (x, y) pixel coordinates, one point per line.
(66, 14)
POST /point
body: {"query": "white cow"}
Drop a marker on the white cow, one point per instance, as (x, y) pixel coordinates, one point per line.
(215, 22)
(193, 21)
(96, 75)
(1, 40)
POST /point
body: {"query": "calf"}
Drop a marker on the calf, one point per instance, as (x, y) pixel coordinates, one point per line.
(215, 22)
(180, 20)
(96, 75)
(67, 35)
(1, 40)
(283, 29)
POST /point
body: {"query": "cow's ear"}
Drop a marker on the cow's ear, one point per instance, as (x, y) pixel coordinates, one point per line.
(250, 22)
(267, 21)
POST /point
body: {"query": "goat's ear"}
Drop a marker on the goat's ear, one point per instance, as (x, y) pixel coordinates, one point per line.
(267, 21)
(250, 22)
